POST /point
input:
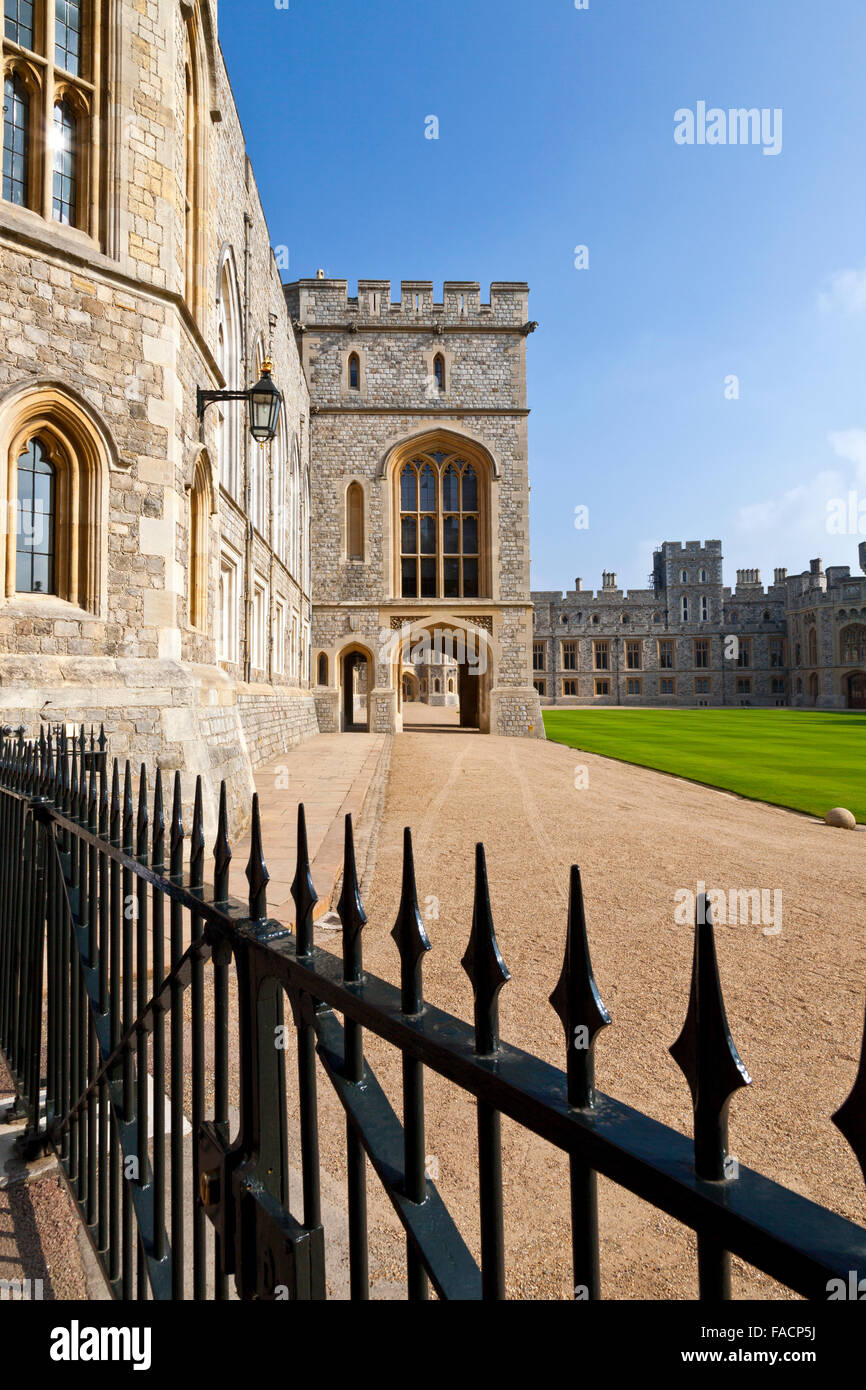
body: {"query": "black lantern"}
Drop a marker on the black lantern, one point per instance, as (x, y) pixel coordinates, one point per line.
(265, 404)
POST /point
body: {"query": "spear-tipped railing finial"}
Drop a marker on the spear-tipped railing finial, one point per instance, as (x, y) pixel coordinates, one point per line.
(257, 870)
(303, 890)
(706, 1054)
(577, 1001)
(409, 934)
(483, 963)
(351, 910)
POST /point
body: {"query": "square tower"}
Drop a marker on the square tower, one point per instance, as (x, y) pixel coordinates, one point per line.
(420, 495)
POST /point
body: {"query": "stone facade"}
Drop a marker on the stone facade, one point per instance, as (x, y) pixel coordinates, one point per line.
(689, 640)
(110, 322)
(376, 401)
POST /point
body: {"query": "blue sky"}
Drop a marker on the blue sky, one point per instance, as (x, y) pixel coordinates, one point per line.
(705, 262)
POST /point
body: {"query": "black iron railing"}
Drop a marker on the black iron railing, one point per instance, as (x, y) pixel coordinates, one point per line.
(131, 991)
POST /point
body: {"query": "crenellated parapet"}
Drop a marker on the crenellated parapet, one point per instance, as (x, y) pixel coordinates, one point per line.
(323, 302)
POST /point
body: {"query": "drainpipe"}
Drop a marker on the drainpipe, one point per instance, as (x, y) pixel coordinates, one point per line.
(248, 444)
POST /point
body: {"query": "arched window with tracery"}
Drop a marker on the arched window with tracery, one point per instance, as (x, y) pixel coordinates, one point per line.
(853, 643)
(355, 522)
(34, 551)
(441, 501)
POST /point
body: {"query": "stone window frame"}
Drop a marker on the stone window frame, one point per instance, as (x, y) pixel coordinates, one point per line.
(703, 685)
(667, 647)
(702, 653)
(744, 685)
(670, 681)
(569, 656)
(432, 391)
(83, 454)
(601, 648)
(355, 491)
(634, 680)
(202, 505)
(320, 670)
(539, 656)
(228, 643)
(279, 643)
(598, 692)
(634, 649)
(47, 86)
(350, 392)
(851, 655)
(259, 612)
(565, 690)
(229, 355)
(744, 654)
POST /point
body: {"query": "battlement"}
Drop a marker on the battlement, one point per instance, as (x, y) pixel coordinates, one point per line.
(679, 549)
(327, 302)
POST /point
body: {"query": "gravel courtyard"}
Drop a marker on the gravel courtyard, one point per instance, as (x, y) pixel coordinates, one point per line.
(795, 1000)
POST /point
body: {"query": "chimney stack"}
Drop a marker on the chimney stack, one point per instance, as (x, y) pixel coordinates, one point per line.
(608, 580)
(780, 576)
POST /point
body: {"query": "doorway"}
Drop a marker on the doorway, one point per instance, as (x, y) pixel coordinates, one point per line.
(857, 690)
(355, 672)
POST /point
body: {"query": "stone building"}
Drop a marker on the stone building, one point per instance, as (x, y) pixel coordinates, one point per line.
(689, 640)
(420, 493)
(158, 564)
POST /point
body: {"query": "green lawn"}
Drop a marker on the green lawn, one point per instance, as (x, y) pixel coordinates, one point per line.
(805, 759)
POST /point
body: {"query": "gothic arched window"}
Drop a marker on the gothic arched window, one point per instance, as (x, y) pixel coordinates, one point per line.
(323, 669)
(812, 647)
(853, 643)
(34, 551)
(354, 372)
(229, 363)
(199, 526)
(441, 518)
(355, 522)
(439, 371)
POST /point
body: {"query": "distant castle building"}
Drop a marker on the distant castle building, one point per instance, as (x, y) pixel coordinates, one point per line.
(688, 640)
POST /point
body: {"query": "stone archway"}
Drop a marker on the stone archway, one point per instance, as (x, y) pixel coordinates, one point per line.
(855, 690)
(355, 678)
